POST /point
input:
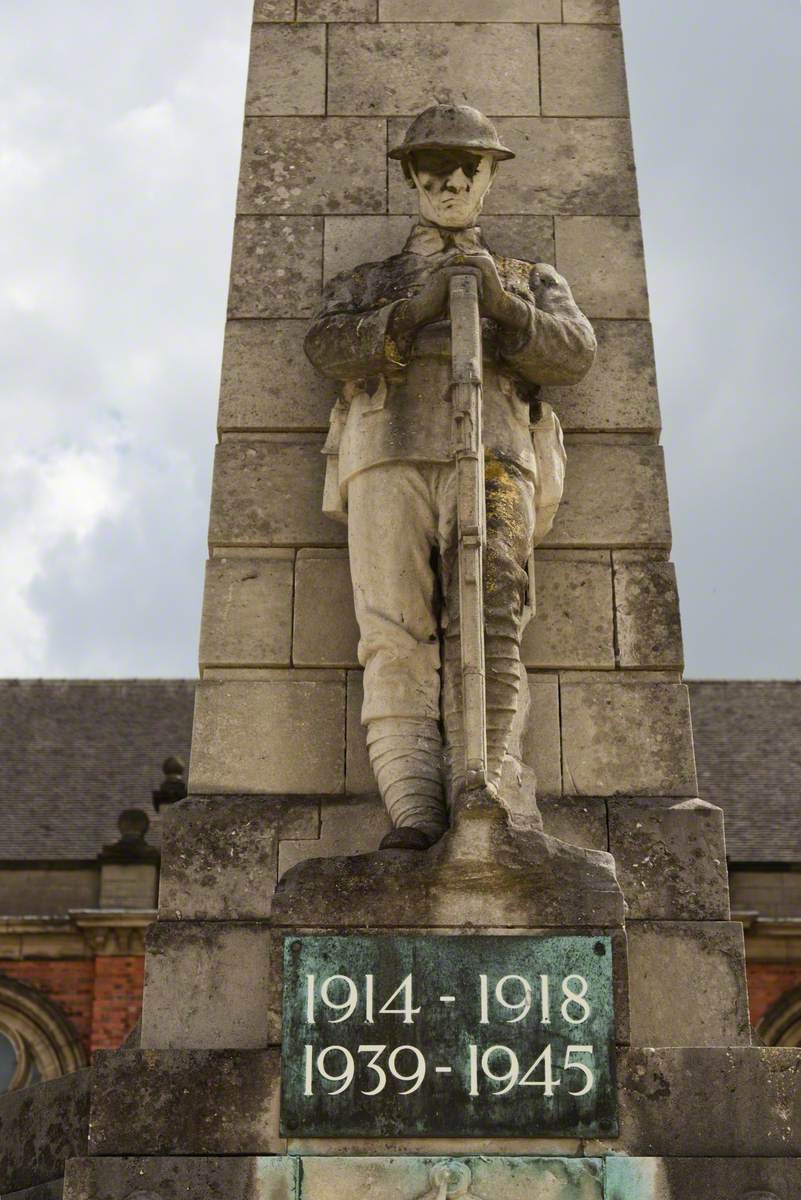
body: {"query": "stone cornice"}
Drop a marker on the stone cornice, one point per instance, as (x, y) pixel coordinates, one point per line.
(83, 933)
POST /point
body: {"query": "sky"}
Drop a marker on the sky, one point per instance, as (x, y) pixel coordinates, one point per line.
(119, 145)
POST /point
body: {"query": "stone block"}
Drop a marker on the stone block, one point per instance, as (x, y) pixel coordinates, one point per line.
(337, 10)
(573, 625)
(603, 259)
(274, 10)
(524, 236)
(40, 1127)
(398, 68)
(578, 820)
(702, 1178)
(470, 10)
(267, 381)
(212, 985)
(282, 733)
(583, 73)
(268, 491)
(202, 1178)
(708, 1101)
(615, 495)
(619, 393)
(670, 857)
(626, 738)
(247, 611)
(293, 164)
(647, 614)
(287, 70)
(276, 266)
(185, 1102)
(566, 165)
(128, 885)
(325, 629)
(43, 1191)
(359, 778)
(591, 12)
(542, 742)
(348, 825)
(403, 1178)
(219, 855)
(350, 241)
(687, 984)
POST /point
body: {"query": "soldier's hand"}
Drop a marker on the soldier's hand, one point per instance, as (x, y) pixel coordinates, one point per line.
(427, 305)
(494, 301)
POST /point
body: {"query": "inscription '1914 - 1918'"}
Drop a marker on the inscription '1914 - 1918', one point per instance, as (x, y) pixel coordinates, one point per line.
(462, 1035)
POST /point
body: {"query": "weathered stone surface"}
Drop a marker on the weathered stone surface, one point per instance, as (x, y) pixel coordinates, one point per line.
(350, 241)
(287, 70)
(647, 614)
(348, 825)
(219, 854)
(583, 74)
(267, 492)
(469, 10)
(202, 1178)
(578, 820)
(212, 985)
(542, 742)
(43, 1191)
(566, 165)
(325, 629)
(738, 1101)
(399, 68)
(292, 164)
(670, 858)
(282, 733)
(359, 778)
(274, 10)
(626, 738)
(687, 984)
(185, 1102)
(247, 611)
(40, 1127)
(619, 394)
(573, 625)
(702, 1178)
(615, 495)
(524, 236)
(403, 1178)
(267, 380)
(481, 873)
(593, 12)
(603, 259)
(337, 10)
(276, 266)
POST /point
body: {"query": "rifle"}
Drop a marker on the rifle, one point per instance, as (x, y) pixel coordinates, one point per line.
(472, 518)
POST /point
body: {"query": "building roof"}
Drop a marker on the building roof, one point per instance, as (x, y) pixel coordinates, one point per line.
(75, 753)
(748, 751)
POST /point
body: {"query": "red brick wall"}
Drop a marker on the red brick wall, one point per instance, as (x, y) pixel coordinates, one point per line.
(102, 997)
(767, 982)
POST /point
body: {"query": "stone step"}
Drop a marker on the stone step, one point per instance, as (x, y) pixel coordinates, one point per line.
(40, 1127)
(703, 1102)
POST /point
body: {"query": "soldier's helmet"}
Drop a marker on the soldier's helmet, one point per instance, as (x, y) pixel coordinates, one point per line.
(451, 127)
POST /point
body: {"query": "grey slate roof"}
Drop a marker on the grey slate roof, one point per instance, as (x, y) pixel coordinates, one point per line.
(75, 753)
(748, 750)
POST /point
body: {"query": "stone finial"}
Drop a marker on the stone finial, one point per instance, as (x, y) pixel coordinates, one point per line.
(173, 786)
(132, 847)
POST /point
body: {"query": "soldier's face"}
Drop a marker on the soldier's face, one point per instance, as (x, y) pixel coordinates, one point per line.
(451, 185)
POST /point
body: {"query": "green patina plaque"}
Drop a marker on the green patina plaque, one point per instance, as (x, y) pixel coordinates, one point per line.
(466, 1036)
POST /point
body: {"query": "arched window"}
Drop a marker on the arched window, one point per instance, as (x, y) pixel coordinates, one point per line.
(36, 1039)
(781, 1024)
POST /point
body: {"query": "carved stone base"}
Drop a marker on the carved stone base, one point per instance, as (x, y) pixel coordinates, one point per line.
(484, 872)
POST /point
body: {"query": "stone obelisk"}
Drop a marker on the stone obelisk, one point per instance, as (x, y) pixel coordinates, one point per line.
(279, 770)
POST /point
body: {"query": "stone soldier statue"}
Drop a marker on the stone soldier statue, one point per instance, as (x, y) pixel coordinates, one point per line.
(383, 330)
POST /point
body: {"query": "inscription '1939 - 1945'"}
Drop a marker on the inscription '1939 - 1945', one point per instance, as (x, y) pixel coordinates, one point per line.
(464, 1035)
